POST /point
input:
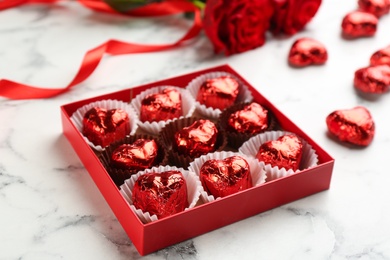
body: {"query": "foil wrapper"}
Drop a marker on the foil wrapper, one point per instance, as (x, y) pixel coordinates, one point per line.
(381, 57)
(78, 117)
(355, 126)
(359, 24)
(197, 139)
(221, 178)
(165, 200)
(161, 194)
(161, 106)
(102, 126)
(307, 51)
(139, 155)
(375, 7)
(251, 148)
(218, 93)
(251, 119)
(244, 94)
(374, 79)
(256, 168)
(284, 152)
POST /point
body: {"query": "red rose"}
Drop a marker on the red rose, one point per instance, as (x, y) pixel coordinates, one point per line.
(290, 16)
(235, 26)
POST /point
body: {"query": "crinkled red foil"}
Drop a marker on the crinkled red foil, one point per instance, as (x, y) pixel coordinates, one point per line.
(196, 139)
(161, 194)
(218, 93)
(374, 79)
(221, 178)
(375, 7)
(252, 119)
(381, 57)
(102, 126)
(354, 125)
(161, 106)
(307, 51)
(139, 155)
(359, 24)
(284, 152)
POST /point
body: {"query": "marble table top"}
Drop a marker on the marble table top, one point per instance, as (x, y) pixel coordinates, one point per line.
(50, 207)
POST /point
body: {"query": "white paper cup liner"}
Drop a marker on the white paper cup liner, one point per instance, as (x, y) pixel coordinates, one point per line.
(187, 101)
(194, 189)
(257, 171)
(78, 115)
(193, 87)
(251, 147)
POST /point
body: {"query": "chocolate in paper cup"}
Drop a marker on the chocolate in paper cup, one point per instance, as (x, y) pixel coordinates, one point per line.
(187, 101)
(194, 188)
(167, 137)
(119, 175)
(251, 147)
(258, 174)
(236, 139)
(78, 115)
(244, 94)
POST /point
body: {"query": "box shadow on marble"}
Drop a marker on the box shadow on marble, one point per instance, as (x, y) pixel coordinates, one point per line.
(203, 218)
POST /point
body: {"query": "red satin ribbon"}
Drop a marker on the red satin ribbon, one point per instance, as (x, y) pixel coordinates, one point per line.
(92, 58)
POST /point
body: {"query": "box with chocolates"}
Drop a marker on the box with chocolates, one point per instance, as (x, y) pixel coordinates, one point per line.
(180, 157)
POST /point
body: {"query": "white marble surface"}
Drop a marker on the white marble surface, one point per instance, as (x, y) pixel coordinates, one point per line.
(51, 209)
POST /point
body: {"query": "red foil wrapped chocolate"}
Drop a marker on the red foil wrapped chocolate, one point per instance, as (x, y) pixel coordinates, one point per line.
(139, 155)
(102, 126)
(197, 139)
(375, 7)
(284, 152)
(218, 93)
(354, 125)
(252, 119)
(307, 51)
(161, 106)
(381, 57)
(375, 79)
(161, 194)
(359, 24)
(221, 178)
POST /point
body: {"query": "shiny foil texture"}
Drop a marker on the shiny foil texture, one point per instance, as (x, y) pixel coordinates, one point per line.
(381, 57)
(161, 194)
(252, 119)
(354, 125)
(284, 152)
(196, 139)
(375, 79)
(359, 24)
(375, 7)
(218, 93)
(139, 155)
(161, 106)
(221, 178)
(102, 126)
(307, 51)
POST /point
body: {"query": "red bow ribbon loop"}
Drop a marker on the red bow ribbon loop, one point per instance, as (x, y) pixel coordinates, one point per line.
(92, 58)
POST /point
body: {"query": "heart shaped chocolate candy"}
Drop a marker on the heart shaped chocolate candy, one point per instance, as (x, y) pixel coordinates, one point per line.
(252, 119)
(102, 126)
(375, 79)
(139, 155)
(161, 194)
(161, 106)
(284, 152)
(218, 93)
(381, 57)
(221, 178)
(307, 51)
(359, 24)
(197, 139)
(354, 125)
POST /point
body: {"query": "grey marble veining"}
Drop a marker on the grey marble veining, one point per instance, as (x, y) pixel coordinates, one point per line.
(50, 207)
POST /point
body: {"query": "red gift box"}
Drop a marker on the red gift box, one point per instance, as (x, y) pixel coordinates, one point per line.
(156, 235)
